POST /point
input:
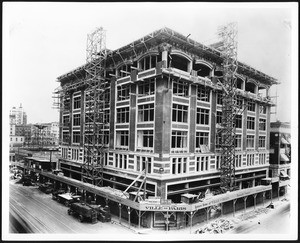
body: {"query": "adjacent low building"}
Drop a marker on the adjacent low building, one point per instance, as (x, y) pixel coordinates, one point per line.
(280, 156)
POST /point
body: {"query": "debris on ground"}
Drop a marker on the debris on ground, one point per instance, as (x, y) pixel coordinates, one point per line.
(218, 226)
(253, 214)
(271, 205)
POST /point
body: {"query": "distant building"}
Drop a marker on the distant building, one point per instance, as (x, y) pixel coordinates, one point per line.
(280, 155)
(18, 116)
(16, 141)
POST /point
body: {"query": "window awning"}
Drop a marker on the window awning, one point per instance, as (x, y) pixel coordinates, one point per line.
(284, 158)
(283, 174)
(283, 141)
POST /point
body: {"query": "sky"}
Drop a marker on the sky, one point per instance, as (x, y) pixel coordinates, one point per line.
(42, 41)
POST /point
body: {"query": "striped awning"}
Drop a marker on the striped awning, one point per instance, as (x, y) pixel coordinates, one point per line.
(284, 158)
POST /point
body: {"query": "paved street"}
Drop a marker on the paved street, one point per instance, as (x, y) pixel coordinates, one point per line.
(32, 211)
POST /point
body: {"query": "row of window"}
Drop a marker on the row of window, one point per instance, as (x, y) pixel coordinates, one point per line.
(145, 139)
(179, 88)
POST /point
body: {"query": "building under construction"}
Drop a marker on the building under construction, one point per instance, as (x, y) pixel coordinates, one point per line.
(170, 121)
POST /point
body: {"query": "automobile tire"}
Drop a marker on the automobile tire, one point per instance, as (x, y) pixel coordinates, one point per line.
(69, 211)
(80, 218)
(67, 203)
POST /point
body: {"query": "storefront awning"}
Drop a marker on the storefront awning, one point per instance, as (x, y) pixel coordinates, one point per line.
(283, 174)
(284, 158)
(283, 141)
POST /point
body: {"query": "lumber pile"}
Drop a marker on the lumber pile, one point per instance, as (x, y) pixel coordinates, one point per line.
(216, 227)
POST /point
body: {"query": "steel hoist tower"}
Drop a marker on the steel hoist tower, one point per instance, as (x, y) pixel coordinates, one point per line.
(95, 83)
(228, 33)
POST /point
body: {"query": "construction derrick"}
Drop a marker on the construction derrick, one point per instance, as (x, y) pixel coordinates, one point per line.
(95, 82)
(228, 34)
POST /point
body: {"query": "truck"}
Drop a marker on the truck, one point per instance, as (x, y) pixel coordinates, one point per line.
(68, 198)
(56, 192)
(46, 187)
(103, 213)
(83, 211)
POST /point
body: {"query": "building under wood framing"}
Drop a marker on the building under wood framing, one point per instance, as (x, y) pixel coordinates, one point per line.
(162, 114)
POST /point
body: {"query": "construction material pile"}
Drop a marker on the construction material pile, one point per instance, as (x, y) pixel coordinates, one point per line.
(115, 192)
(253, 214)
(216, 227)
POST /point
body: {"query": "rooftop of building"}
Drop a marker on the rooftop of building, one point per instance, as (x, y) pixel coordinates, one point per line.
(136, 49)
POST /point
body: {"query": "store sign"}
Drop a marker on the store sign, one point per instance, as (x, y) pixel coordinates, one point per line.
(164, 208)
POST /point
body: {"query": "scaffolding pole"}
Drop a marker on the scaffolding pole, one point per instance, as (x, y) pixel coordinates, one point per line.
(228, 33)
(95, 83)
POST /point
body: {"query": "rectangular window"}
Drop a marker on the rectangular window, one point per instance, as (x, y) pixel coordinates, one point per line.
(262, 159)
(262, 141)
(180, 88)
(121, 161)
(65, 137)
(250, 159)
(146, 113)
(123, 92)
(218, 140)
(76, 120)
(145, 138)
(238, 121)
(239, 102)
(238, 160)
(202, 116)
(203, 94)
(106, 116)
(202, 163)
(262, 124)
(179, 166)
(238, 141)
(262, 109)
(250, 122)
(123, 115)
(179, 139)
(201, 139)
(66, 120)
(76, 137)
(179, 113)
(219, 98)
(143, 162)
(122, 138)
(251, 105)
(219, 117)
(106, 137)
(146, 88)
(250, 141)
(77, 102)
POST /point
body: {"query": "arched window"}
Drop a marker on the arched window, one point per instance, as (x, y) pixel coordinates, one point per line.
(202, 69)
(124, 70)
(149, 62)
(250, 87)
(239, 83)
(179, 62)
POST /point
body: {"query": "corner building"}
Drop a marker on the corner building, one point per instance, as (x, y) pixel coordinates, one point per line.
(163, 111)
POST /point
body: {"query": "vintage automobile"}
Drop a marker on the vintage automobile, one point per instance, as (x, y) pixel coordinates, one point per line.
(56, 192)
(103, 213)
(68, 198)
(46, 187)
(83, 211)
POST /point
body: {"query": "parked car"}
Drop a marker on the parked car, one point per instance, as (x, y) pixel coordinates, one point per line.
(68, 198)
(46, 187)
(56, 192)
(83, 211)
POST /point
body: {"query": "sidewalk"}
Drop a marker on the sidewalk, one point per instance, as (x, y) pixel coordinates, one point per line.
(239, 218)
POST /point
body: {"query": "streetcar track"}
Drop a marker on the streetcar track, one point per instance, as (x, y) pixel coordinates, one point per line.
(39, 202)
(20, 213)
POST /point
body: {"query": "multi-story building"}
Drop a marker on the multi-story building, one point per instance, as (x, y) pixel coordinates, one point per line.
(163, 112)
(280, 156)
(18, 116)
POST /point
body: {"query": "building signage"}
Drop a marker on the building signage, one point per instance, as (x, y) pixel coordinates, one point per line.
(164, 208)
